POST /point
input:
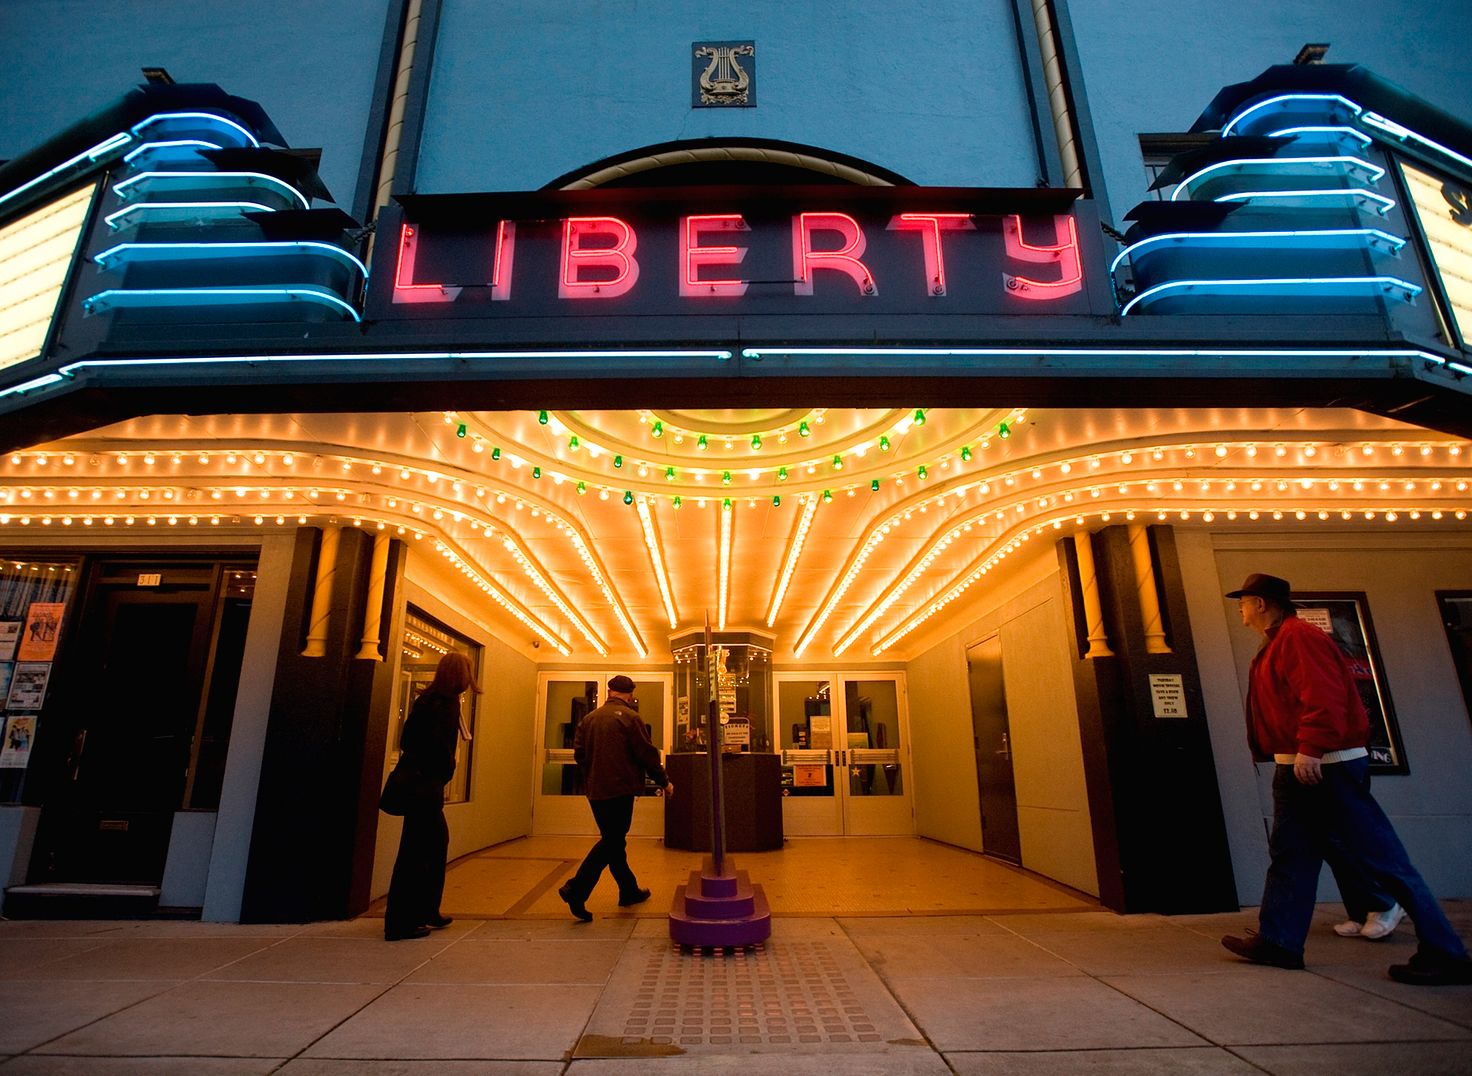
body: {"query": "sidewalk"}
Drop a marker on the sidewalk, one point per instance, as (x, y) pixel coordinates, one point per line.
(1031, 992)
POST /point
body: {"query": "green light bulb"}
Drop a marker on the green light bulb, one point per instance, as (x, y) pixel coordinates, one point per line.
(756, 440)
(725, 478)
(658, 430)
(827, 496)
(669, 474)
(883, 444)
(802, 429)
(874, 485)
(776, 502)
(838, 463)
(1003, 432)
(700, 442)
(572, 442)
(677, 502)
(966, 453)
(781, 474)
(618, 461)
(495, 453)
(460, 430)
(628, 496)
(582, 487)
(922, 472)
(536, 472)
(919, 417)
(542, 417)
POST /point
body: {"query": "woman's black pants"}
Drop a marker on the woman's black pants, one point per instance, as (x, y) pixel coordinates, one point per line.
(419, 872)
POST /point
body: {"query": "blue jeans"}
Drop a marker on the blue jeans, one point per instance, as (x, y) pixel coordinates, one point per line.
(1310, 822)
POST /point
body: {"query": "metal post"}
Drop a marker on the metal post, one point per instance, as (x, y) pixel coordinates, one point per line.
(713, 745)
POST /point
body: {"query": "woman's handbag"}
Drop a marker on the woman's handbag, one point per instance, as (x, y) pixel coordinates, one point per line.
(407, 789)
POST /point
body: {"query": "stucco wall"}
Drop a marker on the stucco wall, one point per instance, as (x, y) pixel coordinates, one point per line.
(931, 91)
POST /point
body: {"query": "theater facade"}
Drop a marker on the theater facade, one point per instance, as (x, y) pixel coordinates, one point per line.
(949, 451)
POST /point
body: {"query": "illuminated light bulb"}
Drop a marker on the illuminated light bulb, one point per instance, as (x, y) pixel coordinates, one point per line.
(781, 474)
(1368, 450)
(460, 430)
(776, 501)
(536, 472)
(802, 429)
(1221, 450)
(966, 453)
(678, 502)
(1158, 454)
(572, 443)
(1126, 457)
(874, 485)
(582, 487)
(1280, 451)
(643, 470)
(628, 496)
(827, 496)
(618, 461)
(883, 444)
(838, 463)
(542, 418)
(922, 472)
(1396, 450)
(258, 459)
(756, 441)
(1208, 516)
(1310, 451)
(658, 429)
(919, 417)
(1004, 431)
(725, 478)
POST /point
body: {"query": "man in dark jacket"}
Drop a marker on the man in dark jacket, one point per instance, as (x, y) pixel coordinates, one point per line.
(614, 751)
(1304, 713)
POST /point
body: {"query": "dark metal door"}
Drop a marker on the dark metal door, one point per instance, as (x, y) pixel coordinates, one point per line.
(993, 745)
(126, 727)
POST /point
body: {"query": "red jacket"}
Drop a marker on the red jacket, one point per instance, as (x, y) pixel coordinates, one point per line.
(1301, 696)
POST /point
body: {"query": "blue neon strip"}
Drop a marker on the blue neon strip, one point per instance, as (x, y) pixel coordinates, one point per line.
(97, 152)
(117, 297)
(1384, 204)
(72, 370)
(1239, 117)
(234, 209)
(1373, 235)
(1269, 285)
(252, 179)
(161, 117)
(178, 143)
(1390, 127)
(1374, 171)
(127, 252)
(1294, 131)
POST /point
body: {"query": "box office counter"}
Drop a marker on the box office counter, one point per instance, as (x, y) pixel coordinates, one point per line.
(752, 782)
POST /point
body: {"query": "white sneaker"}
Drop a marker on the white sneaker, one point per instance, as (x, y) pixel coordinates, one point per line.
(1347, 929)
(1382, 924)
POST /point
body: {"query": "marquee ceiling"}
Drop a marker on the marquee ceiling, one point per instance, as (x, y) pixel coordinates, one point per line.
(860, 533)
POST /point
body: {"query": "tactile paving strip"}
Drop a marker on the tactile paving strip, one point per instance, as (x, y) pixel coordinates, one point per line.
(794, 995)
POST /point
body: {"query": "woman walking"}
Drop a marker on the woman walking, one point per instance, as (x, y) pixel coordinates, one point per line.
(427, 750)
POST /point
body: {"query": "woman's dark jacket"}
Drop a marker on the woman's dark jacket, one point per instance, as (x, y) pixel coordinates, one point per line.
(430, 736)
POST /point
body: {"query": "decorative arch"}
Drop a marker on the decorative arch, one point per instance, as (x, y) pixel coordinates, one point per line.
(747, 161)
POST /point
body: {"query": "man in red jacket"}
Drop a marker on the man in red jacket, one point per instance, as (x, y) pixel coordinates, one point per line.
(1304, 713)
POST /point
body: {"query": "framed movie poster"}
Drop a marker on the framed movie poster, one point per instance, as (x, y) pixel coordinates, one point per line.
(28, 685)
(43, 628)
(9, 639)
(15, 747)
(1345, 617)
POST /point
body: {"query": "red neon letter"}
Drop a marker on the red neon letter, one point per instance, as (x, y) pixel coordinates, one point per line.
(1065, 254)
(404, 290)
(500, 284)
(930, 225)
(805, 260)
(693, 255)
(576, 259)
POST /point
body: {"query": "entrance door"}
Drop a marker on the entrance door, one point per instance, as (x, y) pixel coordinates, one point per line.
(845, 754)
(992, 742)
(559, 804)
(132, 698)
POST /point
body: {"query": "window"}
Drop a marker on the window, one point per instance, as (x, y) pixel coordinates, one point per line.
(425, 641)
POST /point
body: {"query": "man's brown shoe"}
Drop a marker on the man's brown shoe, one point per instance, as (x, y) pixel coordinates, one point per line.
(1259, 950)
(638, 896)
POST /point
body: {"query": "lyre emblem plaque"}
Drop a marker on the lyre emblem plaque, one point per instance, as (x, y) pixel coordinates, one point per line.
(723, 74)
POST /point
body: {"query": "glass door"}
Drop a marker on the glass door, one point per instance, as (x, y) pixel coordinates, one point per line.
(845, 754)
(558, 801)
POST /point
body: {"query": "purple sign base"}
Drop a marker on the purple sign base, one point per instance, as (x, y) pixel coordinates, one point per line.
(720, 909)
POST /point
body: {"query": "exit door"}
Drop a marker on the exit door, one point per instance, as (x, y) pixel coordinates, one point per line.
(992, 741)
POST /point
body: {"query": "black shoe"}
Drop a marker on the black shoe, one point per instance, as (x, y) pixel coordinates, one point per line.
(1431, 967)
(1259, 950)
(574, 902)
(440, 922)
(638, 896)
(402, 935)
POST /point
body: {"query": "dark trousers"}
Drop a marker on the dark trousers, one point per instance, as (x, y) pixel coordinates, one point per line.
(613, 817)
(419, 872)
(1338, 813)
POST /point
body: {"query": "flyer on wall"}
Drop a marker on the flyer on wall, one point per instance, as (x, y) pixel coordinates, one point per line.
(9, 637)
(20, 733)
(43, 626)
(7, 670)
(28, 685)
